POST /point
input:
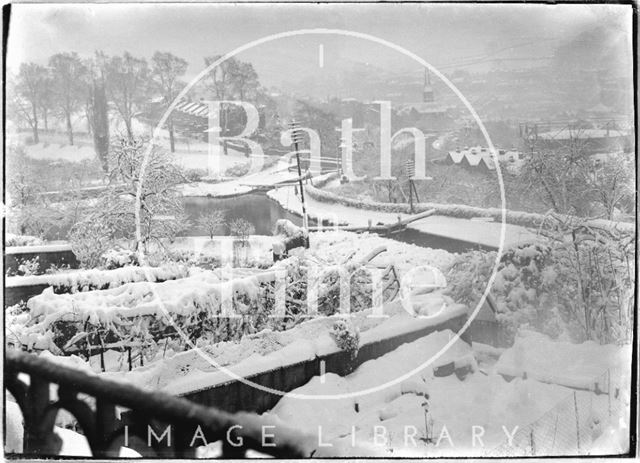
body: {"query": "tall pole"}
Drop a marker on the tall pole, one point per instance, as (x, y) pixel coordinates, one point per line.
(296, 138)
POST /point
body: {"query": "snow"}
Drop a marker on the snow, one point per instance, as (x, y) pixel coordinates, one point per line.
(38, 248)
(474, 231)
(21, 240)
(564, 363)
(110, 306)
(193, 370)
(278, 173)
(339, 245)
(60, 152)
(477, 399)
(256, 252)
(83, 280)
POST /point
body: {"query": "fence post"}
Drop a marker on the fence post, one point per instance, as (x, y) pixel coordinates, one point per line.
(532, 442)
(575, 404)
(609, 389)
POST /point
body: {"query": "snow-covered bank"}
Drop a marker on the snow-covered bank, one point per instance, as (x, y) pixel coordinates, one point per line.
(462, 229)
(477, 403)
(579, 366)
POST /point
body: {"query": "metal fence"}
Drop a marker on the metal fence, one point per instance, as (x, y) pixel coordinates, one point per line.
(159, 425)
(574, 423)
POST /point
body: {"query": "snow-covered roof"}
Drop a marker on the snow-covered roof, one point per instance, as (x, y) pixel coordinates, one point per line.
(479, 155)
(566, 134)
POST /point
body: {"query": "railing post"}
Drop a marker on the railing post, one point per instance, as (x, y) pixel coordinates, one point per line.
(39, 437)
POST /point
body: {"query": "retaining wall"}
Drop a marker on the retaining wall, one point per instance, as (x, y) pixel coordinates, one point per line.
(48, 255)
(234, 396)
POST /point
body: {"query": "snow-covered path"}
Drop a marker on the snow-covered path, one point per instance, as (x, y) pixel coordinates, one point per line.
(271, 176)
(473, 231)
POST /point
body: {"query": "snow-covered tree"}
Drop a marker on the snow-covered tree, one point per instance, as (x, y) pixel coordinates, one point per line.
(212, 221)
(150, 195)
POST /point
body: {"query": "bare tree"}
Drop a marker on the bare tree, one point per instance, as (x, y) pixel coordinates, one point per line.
(166, 69)
(68, 81)
(30, 86)
(46, 101)
(127, 86)
(556, 176)
(245, 80)
(612, 183)
(97, 108)
(212, 221)
(242, 228)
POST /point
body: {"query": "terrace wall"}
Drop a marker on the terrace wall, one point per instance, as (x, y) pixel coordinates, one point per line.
(234, 396)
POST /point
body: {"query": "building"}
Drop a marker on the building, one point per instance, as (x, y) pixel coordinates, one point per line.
(428, 115)
(480, 158)
(608, 138)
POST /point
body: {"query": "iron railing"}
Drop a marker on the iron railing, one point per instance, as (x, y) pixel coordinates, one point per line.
(93, 400)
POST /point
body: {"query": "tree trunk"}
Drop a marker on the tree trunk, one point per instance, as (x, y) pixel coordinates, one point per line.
(46, 121)
(127, 123)
(100, 124)
(69, 128)
(172, 140)
(36, 138)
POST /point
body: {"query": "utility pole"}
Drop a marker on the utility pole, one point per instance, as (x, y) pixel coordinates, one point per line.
(296, 136)
(410, 171)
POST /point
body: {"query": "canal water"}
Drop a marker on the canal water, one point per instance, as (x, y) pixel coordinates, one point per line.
(256, 208)
(263, 213)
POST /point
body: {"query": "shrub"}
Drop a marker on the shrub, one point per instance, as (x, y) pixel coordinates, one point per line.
(117, 258)
(194, 175)
(242, 229)
(29, 267)
(346, 336)
(237, 170)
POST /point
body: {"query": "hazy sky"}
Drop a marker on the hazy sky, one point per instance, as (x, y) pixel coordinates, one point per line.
(443, 34)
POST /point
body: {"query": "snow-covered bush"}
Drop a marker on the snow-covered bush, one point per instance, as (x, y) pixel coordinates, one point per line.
(194, 175)
(137, 312)
(347, 336)
(237, 170)
(114, 216)
(29, 266)
(89, 240)
(118, 258)
(22, 240)
(576, 287)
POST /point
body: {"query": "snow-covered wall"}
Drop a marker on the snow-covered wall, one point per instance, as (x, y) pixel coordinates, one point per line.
(233, 395)
(48, 255)
(525, 219)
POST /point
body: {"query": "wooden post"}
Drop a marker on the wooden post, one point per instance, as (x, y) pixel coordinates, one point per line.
(575, 405)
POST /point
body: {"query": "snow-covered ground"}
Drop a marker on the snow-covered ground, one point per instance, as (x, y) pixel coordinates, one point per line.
(564, 363)
(379, 423)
